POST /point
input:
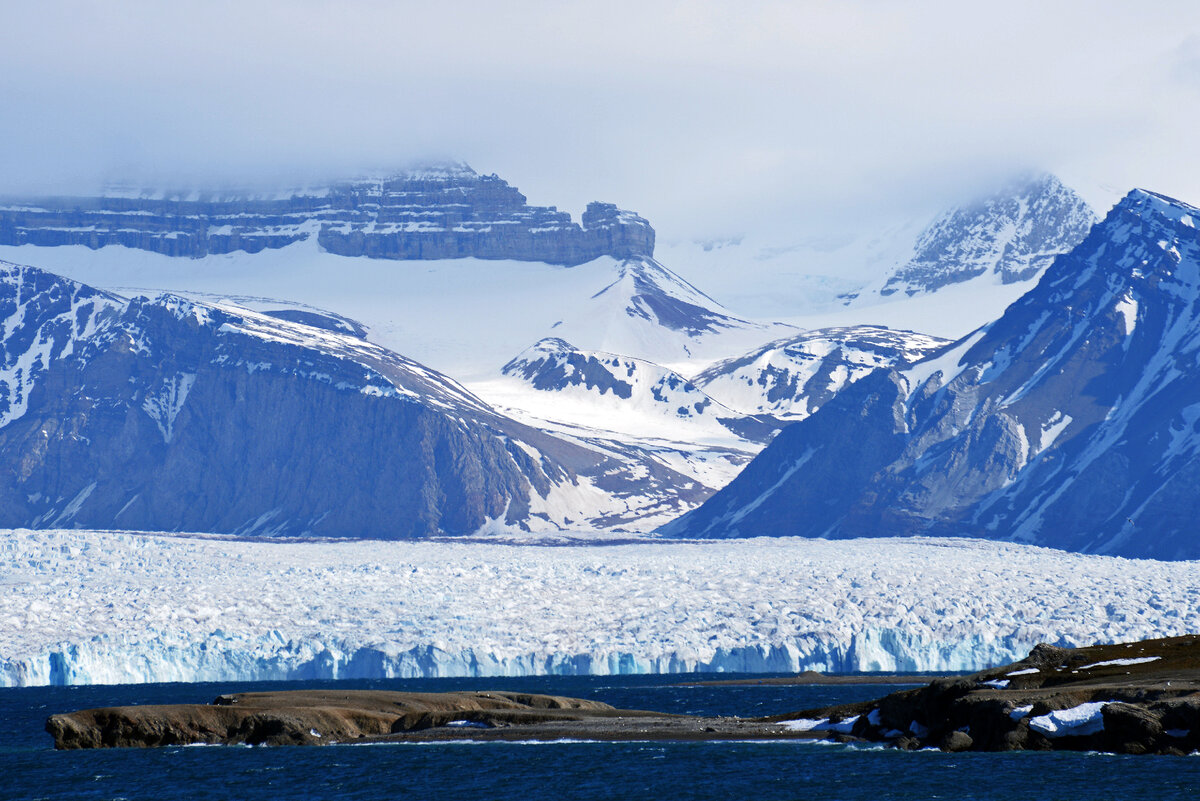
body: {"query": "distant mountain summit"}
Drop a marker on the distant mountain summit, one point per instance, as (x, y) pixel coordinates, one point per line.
(1009, 236)
(443, 211)
(1073, 421)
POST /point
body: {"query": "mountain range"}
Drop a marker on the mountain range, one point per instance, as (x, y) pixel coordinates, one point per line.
(166, 414)
(1071, 421)
(232, 363)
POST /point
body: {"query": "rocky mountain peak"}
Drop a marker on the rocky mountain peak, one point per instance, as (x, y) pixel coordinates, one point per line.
(791, 378)
(1140, 217)
(1012, 235)
(1153, 203)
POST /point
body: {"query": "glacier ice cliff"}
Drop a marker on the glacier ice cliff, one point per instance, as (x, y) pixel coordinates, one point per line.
(86, 607)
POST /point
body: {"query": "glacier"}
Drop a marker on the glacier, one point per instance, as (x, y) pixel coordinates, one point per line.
(94, 607)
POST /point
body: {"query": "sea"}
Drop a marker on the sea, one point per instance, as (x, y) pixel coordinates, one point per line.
(30, 768)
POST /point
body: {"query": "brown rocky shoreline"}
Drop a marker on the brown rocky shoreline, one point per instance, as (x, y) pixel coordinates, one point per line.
(1135, 698)
(323, 717)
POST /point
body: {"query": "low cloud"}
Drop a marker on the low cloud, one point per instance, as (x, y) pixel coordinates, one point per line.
(789, 119)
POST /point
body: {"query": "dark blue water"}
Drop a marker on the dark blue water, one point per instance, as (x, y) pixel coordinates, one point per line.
(31, 769)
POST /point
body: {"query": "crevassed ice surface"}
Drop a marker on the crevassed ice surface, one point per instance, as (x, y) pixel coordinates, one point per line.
(95, 607)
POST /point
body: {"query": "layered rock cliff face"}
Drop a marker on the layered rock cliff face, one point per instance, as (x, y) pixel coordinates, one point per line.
(1073, 421)
(169, 415)
(445, 212)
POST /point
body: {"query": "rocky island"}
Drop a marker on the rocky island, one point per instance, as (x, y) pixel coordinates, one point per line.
(1134, 698)
(326, 717)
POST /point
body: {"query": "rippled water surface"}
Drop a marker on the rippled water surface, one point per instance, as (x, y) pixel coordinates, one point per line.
(30, 768)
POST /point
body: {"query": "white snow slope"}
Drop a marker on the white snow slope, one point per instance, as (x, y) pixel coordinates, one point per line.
(84, 607)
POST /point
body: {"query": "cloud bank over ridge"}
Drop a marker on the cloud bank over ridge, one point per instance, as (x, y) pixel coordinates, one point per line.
(710, 120)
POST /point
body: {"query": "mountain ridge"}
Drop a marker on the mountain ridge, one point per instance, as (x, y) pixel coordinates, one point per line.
(1071, 421)
(176, 415)
(431, 213)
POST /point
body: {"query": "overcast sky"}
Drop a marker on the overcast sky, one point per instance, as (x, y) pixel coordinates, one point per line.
(709, 118)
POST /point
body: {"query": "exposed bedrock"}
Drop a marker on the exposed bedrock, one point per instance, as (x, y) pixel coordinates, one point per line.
(1133, 698)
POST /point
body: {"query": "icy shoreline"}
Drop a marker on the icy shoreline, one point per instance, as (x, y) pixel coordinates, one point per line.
(83, 607)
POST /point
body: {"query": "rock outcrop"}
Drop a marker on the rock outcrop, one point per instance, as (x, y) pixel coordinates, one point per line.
(328, 717)
(1134, 698)
(442, 212)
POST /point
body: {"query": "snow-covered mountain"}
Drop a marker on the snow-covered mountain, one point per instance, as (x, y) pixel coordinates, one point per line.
(1010, 237)
(792, 378)
(457, 272)
(621, 393)
(464, 317)
(481, 273)
(622, 405)
(42, 318)
(648, 312)
(166, 414)
(1072, 421)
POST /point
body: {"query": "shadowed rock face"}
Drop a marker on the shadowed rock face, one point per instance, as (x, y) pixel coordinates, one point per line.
(168, 415)
(182, 417)
(446, 212)
(1132, 698)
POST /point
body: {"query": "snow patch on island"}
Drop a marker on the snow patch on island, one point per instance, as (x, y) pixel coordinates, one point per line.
(1141, 660)
(1078, 721)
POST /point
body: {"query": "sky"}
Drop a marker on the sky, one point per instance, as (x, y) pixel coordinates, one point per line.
(712, 119)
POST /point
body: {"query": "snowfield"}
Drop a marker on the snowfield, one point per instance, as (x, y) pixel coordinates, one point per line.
(80, 607)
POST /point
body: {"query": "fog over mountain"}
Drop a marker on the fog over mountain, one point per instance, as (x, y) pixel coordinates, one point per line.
(797, 120)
